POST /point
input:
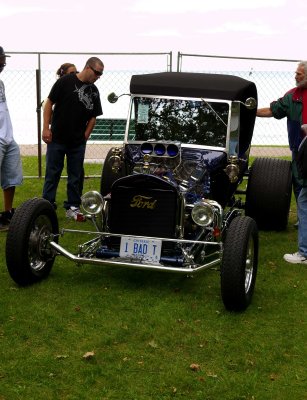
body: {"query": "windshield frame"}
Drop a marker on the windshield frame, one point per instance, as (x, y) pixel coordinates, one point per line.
(202, 100)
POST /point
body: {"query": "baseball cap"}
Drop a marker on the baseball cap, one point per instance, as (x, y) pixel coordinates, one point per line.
(2, 54)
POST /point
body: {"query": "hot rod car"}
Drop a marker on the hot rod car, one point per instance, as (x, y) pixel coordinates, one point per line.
(178, 195)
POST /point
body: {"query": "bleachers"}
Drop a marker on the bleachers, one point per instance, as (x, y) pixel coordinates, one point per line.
(109, 129)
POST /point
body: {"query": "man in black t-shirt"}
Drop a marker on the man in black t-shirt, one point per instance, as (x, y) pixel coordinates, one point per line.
(69, 117)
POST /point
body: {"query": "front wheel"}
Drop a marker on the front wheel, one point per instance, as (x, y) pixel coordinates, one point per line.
(29, 257)
(239, 264)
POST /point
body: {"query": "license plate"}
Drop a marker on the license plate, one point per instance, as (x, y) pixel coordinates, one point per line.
(144, 249)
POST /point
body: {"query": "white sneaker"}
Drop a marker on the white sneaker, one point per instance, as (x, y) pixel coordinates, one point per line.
(295, 258)
(76, 214)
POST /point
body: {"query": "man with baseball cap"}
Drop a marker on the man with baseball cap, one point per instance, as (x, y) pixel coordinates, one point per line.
(10, 162)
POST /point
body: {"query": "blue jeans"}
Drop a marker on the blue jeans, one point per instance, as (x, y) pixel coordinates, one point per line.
(302, 217)
(54, 166)
(295, 184)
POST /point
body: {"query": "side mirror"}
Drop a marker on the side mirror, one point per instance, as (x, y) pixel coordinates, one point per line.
(250, 103)
(112, 98)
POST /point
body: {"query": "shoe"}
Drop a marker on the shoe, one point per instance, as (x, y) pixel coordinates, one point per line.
(75, 213)
(5, 219)
(295, 258)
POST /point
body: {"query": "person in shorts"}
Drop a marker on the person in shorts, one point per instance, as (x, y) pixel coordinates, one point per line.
(10, 161)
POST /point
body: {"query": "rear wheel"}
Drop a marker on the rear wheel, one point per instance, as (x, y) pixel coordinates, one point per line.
(269, 192)
(239, 264)
(29, 257)
(108, 175)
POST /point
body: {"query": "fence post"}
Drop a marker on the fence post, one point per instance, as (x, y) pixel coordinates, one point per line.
(170, 66)
(38, 112)
(179, 59)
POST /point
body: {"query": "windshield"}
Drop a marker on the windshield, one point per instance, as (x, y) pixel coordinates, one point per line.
(188, 121)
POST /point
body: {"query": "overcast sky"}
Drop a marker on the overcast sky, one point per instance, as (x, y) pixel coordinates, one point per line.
(244, 28)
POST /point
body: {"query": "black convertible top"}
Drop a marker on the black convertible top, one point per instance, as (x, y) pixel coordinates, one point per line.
(190, 84)
(210, 86)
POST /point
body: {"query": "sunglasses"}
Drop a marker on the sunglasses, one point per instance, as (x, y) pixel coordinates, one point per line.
(97, 73)
(2, 65)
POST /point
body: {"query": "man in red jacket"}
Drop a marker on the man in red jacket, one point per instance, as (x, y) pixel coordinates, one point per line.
(292, 105)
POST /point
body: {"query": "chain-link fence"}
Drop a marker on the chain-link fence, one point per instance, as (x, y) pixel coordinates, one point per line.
(28, 78)
(273, 78)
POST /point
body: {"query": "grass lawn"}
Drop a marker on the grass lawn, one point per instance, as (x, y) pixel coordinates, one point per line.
(97, 333)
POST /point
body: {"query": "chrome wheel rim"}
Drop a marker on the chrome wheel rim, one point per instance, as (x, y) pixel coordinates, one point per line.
(249, 265)
(39, 251)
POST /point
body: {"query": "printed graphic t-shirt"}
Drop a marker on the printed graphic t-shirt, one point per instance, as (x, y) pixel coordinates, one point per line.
(75, 104)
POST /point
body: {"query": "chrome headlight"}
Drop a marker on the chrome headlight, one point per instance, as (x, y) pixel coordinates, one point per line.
(92, 202)
(203, 213)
